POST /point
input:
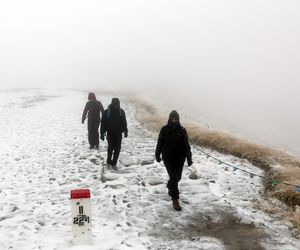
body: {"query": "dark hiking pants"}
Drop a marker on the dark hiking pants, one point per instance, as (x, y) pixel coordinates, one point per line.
(114, 148)
(93, 131)
(174, 171)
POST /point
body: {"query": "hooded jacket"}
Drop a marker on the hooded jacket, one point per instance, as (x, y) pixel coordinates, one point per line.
(173, 141)
(114, 119)
(92, 109)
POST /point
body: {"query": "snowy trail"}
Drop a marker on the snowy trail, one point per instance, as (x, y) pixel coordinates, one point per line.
(44, 154)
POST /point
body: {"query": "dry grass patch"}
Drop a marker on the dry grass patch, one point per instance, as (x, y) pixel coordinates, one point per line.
(266, 158)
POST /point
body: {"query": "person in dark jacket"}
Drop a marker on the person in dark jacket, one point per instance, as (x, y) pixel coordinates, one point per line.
(113, 123)
(174, 146)
(92, 110)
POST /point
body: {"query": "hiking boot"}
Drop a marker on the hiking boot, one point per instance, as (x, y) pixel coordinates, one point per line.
(176, 205)
(97, 146)
(91, 147)
(114, 167)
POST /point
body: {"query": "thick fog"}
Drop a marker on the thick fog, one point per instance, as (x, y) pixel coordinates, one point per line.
(233, 64)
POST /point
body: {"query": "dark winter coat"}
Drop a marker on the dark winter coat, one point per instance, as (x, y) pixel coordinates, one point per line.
(114, 119)
(173, 142)
(92, 109)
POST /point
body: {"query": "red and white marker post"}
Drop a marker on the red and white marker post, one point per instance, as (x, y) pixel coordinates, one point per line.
(81, 216)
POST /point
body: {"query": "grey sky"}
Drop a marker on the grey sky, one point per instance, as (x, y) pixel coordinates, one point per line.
(234, 57)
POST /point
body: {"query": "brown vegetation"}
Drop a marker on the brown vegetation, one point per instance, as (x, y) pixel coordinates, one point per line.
(277, 164)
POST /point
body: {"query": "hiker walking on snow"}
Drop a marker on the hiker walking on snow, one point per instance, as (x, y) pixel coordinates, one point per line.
(114, 124)
(92, 110)
(174, 146)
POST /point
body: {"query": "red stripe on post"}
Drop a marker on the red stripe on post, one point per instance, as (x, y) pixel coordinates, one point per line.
(80, 193)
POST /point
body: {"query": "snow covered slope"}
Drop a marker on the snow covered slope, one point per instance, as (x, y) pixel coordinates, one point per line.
(44, 154)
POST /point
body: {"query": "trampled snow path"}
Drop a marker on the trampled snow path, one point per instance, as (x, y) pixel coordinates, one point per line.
(44, 154)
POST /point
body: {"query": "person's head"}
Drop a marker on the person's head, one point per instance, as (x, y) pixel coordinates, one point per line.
(115, 103)
(92, 96)
(173, 117)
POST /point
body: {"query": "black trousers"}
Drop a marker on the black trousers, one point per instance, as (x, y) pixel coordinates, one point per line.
(174, 169)
(114, 148)
(93, 132)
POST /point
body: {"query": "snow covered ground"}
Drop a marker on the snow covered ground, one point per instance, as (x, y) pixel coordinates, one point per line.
(44, 154)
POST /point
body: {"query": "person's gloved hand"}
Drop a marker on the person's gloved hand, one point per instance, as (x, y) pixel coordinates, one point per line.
(190, 162)
(102, 137)
(82, 122)
(158, 159)
(126, 134)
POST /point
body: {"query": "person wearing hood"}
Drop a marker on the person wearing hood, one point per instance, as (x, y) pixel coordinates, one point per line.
(174, 146)
(92, 111)
(113, 124)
